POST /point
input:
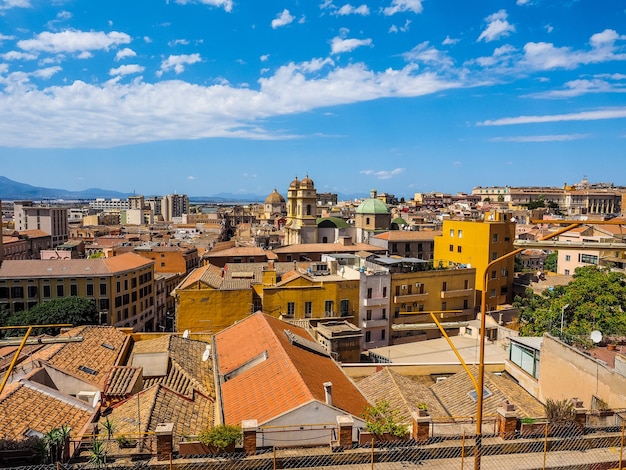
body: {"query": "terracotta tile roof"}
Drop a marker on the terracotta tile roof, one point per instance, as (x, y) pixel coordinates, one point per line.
(328, 248)
(186, 371)
(25, 405)
(34, 233)
(158, 404)
(90, 359)
(403, 235)
(453, 393)
(71, 267)
(285, 375)
(237, 251)
(121, 381)
(402, 393)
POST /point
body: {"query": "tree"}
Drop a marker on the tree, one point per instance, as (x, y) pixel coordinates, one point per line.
(539, 202)
(381, 419)
(551, 262)
(594, 300)
(73, 310)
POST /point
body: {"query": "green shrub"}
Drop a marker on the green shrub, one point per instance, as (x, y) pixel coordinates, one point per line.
(220, 436)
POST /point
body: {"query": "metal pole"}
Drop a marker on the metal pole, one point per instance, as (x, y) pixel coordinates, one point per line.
(481, 365)
(15, 358)
(545, 447)
(463, 450)
(621, 447)
(372, 453)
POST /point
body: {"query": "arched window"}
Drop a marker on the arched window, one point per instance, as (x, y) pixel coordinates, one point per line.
(325, 240)
(308, 209)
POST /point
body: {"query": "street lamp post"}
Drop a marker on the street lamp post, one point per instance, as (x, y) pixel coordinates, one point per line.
(481, 364)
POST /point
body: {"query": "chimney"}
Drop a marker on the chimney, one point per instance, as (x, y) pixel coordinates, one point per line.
(328, 393)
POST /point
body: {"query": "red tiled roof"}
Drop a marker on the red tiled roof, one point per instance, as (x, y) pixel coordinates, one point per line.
(290, 376)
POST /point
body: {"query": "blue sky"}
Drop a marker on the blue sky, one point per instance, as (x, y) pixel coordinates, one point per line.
(210, 96)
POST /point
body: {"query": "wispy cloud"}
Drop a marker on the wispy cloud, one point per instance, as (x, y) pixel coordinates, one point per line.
(340, 45)
(73, 41)
(608, 113)
(348, 9)
(497, 27)
(383, 174)
(227, 5)
(283, 19)
(7, 4)
(178, 62)
(448, 41)
(127, 69)
(540, 138)
(124, 53)
(399, 6)
(582, 87)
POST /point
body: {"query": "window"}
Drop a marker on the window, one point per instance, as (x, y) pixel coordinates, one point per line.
(90, 290)
(493, 274)
(344, 306)
(119, 287)
(291, 308)
(495, 237)
(451, 247)
(444, 286)
(505, 272)
(494, 255)
(308, 309)
(590, 259)
(328, 307)
(60, 290)
(162, 265)
(382, 334)
(125, 284)
(568, 258)
(492, 293)
(451, 233)
(103, 289)
(162, 255)
(308, 209)
(368, 336)
(384, 313)
(394, 247)
(504, 290)
(444, 305)
(17, 292)
(458, 249)
(465, 303)
(407, 247)
(396, 312)
(74, 290)
(367, 221)
(46, 291)
(384, 291)
(567, 272)
(466, 284)
(369, 292)
(460, 233)
(32, 291)
(368, 314)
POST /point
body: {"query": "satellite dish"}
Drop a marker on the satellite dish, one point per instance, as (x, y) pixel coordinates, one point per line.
(207, 353)
(186, 334)
(596, 336)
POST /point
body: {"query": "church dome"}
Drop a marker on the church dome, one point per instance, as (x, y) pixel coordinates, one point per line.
(274, 198)
(294, 184)
(372, 205)
(307, 183)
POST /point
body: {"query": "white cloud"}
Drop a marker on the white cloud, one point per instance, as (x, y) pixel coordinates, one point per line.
(85, 55)
(178, 62)
(523, 2)
(127, 69)
(226, 4)
(581, 87)
(264, 58)
(429, 55)
(7, 4)
(4, 37)
(394, 29)
(73, 41)
(64, 15)
(124, 53)
(383, 174)
(16, 55)
(545, 56)
(497, 27)
(178, 42)
(398, 6)
(541, 138)
(348, 9)
(339, 45)
(191, 178)
(600, 114)
(549, 28)
(448, 41)
(47, 72)
(283, 19)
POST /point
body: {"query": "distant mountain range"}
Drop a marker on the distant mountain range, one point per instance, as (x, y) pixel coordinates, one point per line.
(13, 191)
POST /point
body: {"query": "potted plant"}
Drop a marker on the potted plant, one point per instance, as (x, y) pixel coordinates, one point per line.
(219, 439)
(381, 424)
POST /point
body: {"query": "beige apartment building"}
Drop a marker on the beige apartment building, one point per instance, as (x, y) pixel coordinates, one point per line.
(122, 286)
(49, 219)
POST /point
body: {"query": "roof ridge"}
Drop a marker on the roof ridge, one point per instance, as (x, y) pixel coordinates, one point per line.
(392, 375)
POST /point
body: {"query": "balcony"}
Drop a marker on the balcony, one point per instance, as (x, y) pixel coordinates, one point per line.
(375, 302)
(405, 299)
(381, 322)
(453, 294)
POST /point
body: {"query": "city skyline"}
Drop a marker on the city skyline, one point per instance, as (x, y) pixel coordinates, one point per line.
(209, 96)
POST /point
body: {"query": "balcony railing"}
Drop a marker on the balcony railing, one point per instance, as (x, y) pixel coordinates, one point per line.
(375, 323)
(374, 302)
(403, 299)
(452, 294)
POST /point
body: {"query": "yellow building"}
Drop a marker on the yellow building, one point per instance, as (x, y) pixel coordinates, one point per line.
(449, 293)
(475, 244)
(122, 287)
(212, 298)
